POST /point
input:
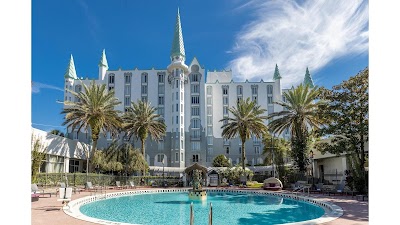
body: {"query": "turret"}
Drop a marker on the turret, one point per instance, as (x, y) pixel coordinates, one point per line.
(277, 86)
(308, 80)
(69, 76)
(103, 66)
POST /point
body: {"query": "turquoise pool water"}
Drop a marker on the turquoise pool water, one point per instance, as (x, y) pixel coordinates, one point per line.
(228, 208)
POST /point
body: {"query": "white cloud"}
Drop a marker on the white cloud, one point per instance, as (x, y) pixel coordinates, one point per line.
(295, 36)
(36, 86)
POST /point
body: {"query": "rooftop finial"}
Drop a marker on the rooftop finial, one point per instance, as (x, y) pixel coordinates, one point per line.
(277, 75)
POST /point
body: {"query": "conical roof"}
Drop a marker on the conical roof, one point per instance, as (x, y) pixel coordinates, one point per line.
(71, 72)
(307, 79)
(178, 48)
(277, 76)
(103, 60)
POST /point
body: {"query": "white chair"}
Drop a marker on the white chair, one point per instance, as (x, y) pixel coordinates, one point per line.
(65, 195)
(132, 184)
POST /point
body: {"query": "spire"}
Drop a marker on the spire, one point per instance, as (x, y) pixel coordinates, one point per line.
(178, 48)
(307, 79)
(71, 72)
(103, 60)
(277, 76)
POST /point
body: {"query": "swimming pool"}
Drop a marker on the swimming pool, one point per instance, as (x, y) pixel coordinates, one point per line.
(173, 207)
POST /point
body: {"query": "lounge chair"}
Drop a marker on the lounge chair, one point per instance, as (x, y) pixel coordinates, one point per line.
(132, 185)
(339, 189)
(272, 184)
(319, 188)
(89, 186)
(118, 184)
(35, 190)
(298, 186)
(65, 195)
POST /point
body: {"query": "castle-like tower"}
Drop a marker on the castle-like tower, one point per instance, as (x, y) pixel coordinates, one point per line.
(190, 106)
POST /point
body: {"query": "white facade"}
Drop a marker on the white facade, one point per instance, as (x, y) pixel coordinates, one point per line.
(190, 105)
(62, 154)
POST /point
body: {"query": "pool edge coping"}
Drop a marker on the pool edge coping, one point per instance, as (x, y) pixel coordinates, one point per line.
(332, 211)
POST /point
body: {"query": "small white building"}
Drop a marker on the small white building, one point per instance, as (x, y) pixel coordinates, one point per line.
(62, 154)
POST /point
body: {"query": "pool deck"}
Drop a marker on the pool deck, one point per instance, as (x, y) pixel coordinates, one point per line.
(46, 211)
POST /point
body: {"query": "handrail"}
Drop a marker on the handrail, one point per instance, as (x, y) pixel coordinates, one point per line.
(191, 214)
(210, 215)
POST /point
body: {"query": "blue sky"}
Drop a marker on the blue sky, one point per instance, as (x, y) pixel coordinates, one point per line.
(249, 37)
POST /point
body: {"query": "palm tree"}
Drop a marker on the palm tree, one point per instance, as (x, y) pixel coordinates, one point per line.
(140, 120)
(94, 111)
(299, 116)
(247, 120)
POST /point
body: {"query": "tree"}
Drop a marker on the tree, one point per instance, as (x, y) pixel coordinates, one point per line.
(38, 154)
(221, 161)
(247, 120)
(299, 116)
(94, 111)
(140, 120)
(57, 132)
(275, 151)
(348, 116)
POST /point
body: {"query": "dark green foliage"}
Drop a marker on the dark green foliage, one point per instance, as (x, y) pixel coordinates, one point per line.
(221, 161)
(57, 132)
(348, 117)
(356, 175)
(275, 151)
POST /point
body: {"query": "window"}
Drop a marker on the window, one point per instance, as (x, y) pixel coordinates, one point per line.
(209, 90)
(226, 110)
(177, 83)
(160, 158)
(176, 156)
(270, 89)
(144, 98)
(110, 88)
(225, 100)
(78, 88)
(177, 96)
(240, 149)
(195, 134)
(127, 90)
(195, 111)
(239, 98)
(256, 140)
(172, 95)
(160, 78)
(283, 99)
(209, 120)
(111, 78)
(209, 100)
(195, 146)
(194, 78)
(196, 123)
(269, 100)
(144, 77)
(254, 99)
(161, 100)
(209, 110)
(227, 150)
(209, 140)
(161, 89)
(195, 88)
(195, 100)
(257, 149)
(160, 111)
(226, 141)
(181, 156)
(127, 78)
(177, 119)
(195, 158)
(161, 145)
(210, 150)
(127, 101)
(254, 89)
(73, 166)
(225, 90)
(177, 107)
(239, 90)
(172, 108)
(270, 109)
(144, 89)
(209, 131)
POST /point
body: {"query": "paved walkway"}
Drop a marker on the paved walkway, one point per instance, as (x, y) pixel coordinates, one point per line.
(47, 211)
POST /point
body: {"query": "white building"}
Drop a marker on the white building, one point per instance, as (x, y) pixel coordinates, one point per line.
(190, 105)
(62, 154)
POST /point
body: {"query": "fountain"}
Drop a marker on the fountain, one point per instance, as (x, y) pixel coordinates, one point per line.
(197, 193)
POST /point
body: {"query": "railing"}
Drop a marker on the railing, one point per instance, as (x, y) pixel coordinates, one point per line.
(191, 219)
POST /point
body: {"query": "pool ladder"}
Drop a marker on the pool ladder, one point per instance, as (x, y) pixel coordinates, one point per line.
(192, 214)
